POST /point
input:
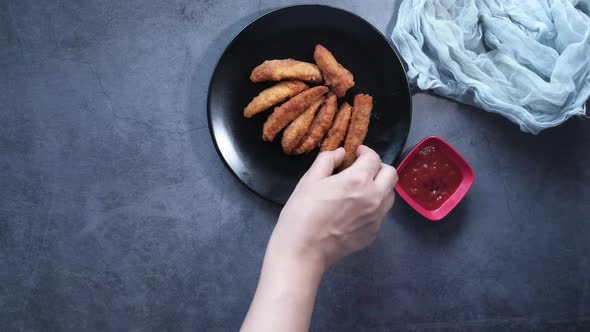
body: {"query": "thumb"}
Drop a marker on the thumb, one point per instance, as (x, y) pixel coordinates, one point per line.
(324, 164)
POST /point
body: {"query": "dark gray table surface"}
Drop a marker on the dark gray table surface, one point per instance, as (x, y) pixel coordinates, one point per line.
(117, 214)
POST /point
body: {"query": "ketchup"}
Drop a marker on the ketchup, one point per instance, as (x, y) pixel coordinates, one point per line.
(430, 177)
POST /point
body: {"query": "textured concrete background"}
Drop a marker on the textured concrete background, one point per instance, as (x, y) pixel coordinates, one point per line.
(117, 214)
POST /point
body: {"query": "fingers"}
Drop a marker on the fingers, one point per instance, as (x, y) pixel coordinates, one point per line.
(385, 182)
(367, 161)
(387, 203)
(386, 179)
(324, 164)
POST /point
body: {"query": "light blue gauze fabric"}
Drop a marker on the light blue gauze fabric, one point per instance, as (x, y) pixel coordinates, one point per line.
(528, 60)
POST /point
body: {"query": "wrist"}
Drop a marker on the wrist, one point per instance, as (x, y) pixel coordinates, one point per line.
(290, 281)
(295, 254)
(295, 273)
(303, 264)
(287, 287)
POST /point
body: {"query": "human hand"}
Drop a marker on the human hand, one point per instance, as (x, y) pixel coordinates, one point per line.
(326, 218)
(331, 216)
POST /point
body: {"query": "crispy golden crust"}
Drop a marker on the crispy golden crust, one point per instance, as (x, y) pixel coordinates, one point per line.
(287, 69)
(290, 110)
(359, 126)
(338, 78)
(339, 128)
(273, 95)
(320, 125)
(297, 129)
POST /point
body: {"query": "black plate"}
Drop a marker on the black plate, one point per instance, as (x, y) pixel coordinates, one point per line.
(293, 32)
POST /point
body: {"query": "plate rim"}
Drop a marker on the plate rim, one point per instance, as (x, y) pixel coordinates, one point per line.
(232, 41)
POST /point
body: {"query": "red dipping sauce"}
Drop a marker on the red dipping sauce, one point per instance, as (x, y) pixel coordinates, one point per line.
(431, 177)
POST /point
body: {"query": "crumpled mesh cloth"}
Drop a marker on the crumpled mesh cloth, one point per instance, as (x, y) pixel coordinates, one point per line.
(528, 60)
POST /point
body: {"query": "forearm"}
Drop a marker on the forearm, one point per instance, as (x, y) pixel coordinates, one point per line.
(285, 294)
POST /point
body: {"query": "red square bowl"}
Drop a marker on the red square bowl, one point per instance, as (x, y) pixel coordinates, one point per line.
(465, 178)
